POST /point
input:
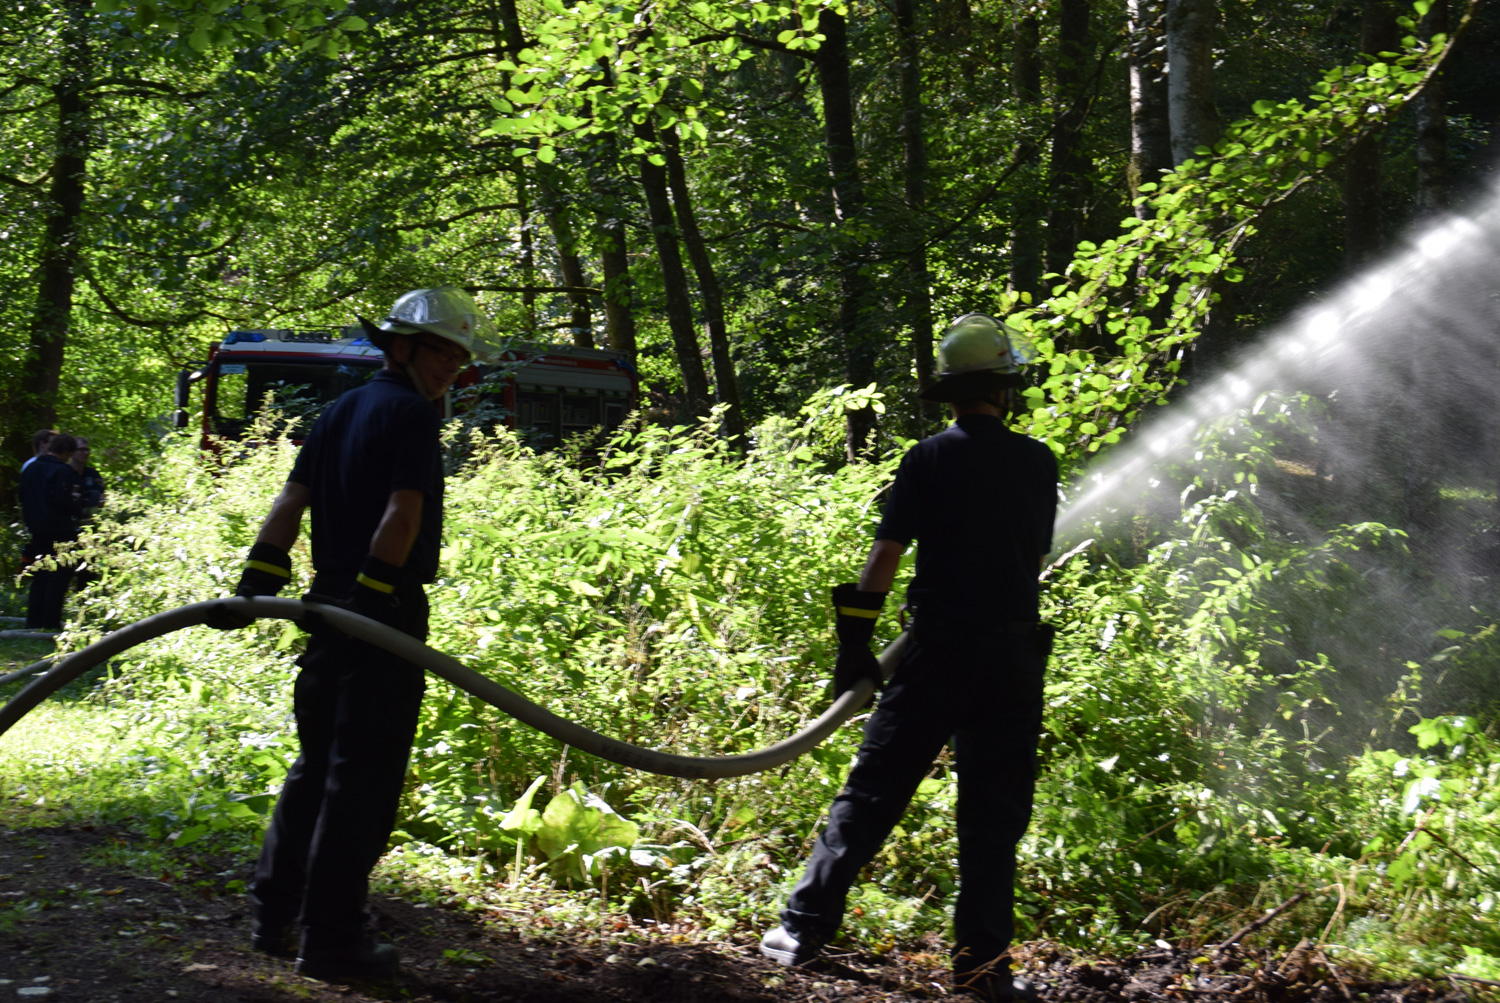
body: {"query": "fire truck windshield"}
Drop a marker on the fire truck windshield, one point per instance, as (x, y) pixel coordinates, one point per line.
(299, 390)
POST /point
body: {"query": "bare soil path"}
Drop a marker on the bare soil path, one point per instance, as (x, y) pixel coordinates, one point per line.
(73, 927)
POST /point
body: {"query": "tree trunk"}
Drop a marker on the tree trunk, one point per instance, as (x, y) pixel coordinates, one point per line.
(1150, 134)
(1364, 210)
(1432, 125)
(57, 265)
(570, 265)
(1026, 230)
(855, 291)
(619, 312)
(1026, 64)
(505, 25)
(725, 381)
(528, 252)
(1425, 453)
(1190, 76)
(619, 295)
(914, 143)
(1069, 170)
(1368, 486)
(674, 279)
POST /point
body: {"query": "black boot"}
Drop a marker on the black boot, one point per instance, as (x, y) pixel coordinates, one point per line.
(789, 947)
(357, 961)
(273, 938)
(273, 926)
(994, 986)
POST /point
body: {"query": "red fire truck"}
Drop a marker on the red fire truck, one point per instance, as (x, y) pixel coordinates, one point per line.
(547, 392)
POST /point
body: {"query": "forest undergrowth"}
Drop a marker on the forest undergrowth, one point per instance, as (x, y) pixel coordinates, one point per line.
(1239, 712)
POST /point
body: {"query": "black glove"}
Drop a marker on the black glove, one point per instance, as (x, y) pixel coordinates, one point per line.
(855, 616)
(1046, 633)
(267, 570)
(373, 596)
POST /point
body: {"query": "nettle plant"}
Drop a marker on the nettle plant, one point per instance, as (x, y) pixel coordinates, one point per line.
(1429, 867)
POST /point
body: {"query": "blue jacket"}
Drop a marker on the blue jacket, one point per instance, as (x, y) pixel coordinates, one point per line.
(48, 501)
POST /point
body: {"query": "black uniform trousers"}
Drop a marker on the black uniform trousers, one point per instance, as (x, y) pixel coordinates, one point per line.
(983, 692)
(48, 589)
(356, 708)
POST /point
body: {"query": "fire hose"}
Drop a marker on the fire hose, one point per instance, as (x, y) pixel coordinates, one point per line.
(67, 668)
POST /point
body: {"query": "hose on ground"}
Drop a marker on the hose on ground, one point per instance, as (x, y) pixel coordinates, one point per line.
(28, 670)
(446, 667)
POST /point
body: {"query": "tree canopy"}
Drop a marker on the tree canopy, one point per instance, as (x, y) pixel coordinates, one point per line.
(842, 178)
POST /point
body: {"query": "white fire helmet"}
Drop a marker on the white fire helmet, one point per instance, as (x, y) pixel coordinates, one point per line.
(446, 311)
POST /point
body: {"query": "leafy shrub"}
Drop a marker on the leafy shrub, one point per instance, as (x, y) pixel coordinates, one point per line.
(1200, 728)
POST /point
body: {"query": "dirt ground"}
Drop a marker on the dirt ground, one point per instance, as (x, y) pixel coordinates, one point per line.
(72, 928)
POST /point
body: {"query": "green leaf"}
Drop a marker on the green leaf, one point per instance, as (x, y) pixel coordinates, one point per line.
(191, 834)
(523, 818)
(353, 23)
(576, 824)
(546, 154)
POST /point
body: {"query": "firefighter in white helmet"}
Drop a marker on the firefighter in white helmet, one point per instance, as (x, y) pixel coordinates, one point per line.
(979, 499)
(371, 473)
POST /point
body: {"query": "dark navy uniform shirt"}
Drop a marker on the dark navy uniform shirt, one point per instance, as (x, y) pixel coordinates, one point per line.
(979, 500)
(48, 503)
(375, 439)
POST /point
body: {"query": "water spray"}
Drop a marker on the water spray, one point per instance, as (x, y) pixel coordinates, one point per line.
(1345, 340)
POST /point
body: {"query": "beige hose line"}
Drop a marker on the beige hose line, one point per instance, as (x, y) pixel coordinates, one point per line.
(70, 667)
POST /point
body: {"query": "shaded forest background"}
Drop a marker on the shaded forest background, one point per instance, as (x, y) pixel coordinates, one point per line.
(755, 201)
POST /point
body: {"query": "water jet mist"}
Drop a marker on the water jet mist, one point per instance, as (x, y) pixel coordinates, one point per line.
(1423, 323)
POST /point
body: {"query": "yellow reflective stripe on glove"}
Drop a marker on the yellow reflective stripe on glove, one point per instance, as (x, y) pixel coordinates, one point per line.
(269, 569)
(870, 614)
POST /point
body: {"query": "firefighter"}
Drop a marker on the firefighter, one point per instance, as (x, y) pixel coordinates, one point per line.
(979, 499)
(371, 473)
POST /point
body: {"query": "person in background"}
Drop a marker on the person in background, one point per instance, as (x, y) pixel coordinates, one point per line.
(90, 483)
(371, 472)
(38, 446)
(91, 494)
(979, 500)
(51, 501)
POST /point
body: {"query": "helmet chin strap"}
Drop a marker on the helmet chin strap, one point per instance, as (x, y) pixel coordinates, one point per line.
(417, 381)
(419, 384)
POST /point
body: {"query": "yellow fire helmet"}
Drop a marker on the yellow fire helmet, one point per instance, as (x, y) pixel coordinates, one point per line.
(978, 356)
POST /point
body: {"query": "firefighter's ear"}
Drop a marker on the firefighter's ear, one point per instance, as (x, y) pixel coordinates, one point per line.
(400, 349)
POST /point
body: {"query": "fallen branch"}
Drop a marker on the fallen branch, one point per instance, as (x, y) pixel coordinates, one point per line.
(1250, 928)
(1469, 978)
(45, 663)
(1065, 558)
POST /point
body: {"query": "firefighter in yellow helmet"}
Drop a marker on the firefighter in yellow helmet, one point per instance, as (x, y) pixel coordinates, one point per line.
(979, 501)
(371, 473)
